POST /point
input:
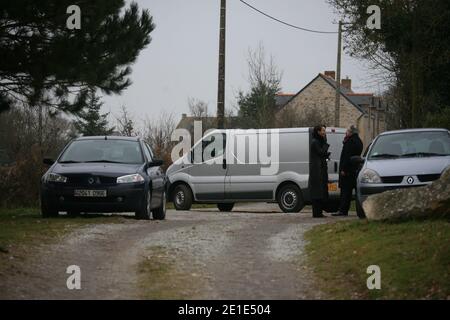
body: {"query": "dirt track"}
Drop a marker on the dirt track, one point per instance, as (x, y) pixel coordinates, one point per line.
(253, 252)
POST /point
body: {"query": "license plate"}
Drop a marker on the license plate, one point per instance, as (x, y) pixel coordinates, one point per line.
(332, 187)
(90, 193)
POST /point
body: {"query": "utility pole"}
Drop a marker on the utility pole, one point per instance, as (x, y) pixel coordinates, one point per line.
(337, 103)
(221, 85)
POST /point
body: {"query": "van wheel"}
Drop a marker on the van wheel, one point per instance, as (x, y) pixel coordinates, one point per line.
(290, 198)
(182, 197)
(359, 209)
(144, 211)
(226, 207)
(160, 213)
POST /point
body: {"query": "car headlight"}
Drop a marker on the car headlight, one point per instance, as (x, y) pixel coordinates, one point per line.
(131, 178)
(54, 177)
(370, 176)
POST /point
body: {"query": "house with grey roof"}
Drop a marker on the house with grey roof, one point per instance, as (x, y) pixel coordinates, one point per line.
(363, 110)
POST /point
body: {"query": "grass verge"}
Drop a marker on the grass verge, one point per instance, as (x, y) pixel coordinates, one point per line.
(21, 229)
(414, 258)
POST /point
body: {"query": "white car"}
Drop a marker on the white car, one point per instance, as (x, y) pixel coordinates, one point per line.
(402, 159)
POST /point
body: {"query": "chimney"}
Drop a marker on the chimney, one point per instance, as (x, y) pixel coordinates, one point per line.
(183, 115)
(347, 84)
(331, 74)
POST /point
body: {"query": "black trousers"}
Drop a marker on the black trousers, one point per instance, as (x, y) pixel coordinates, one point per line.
(346, 199)
(317, 207)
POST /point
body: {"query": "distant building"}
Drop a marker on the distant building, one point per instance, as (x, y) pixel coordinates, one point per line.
(363, 110)
(282, 98)
(187, 122)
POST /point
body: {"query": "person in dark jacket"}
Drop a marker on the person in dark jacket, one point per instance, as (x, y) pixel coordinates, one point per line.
(353, 146)
(318, 171)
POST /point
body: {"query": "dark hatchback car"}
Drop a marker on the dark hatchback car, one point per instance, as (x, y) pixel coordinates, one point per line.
(105, 174)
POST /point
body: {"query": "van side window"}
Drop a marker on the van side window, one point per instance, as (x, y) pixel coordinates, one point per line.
(211, 147)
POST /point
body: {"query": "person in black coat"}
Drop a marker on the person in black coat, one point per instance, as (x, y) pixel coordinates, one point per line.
(353, 146)
(318, 171)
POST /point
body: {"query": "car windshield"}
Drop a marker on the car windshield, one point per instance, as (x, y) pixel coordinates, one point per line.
(107, 151)
(411, 144)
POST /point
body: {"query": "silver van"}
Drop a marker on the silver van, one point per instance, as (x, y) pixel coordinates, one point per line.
(262, 165)
(402, 159)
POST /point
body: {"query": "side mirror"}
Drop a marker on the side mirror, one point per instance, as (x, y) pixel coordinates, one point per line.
(48, 161)
(155, 163)
(357, 160)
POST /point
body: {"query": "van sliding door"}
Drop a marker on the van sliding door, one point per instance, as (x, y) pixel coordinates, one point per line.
(244, 179)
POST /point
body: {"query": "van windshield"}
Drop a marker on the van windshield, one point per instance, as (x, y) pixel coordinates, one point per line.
(411, 145)
(110, 151)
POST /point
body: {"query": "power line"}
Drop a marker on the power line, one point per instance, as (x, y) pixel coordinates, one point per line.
(285, 23)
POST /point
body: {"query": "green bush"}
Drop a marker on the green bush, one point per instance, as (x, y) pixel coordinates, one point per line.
(19, 185)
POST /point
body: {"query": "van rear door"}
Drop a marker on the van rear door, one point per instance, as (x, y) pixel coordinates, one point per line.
(335, 139)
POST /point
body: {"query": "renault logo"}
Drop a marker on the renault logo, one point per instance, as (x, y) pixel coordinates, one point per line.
(410, 180)
(91, 180)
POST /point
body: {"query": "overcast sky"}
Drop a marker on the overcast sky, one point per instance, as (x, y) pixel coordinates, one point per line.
(182, 58)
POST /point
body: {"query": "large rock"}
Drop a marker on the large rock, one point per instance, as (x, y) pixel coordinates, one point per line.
(429, 201)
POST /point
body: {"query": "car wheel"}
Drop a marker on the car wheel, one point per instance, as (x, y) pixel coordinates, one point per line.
(225, 207)
(290, 198)
(359, 209)
(182, 197)
(47, 211)
(160, 213)
(144, 211)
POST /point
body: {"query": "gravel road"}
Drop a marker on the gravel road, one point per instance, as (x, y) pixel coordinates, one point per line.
(254, 252)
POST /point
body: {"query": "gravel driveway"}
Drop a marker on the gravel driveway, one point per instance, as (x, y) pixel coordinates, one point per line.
(254, 252)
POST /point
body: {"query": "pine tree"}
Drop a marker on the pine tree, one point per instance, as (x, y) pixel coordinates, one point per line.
(45, 63)
(90, 121)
